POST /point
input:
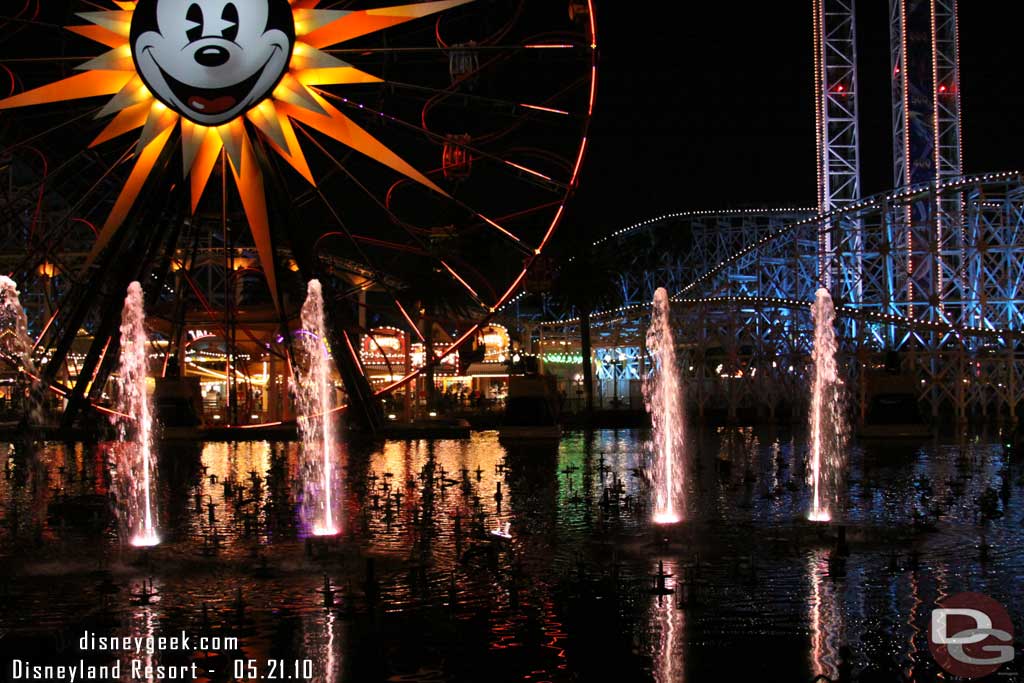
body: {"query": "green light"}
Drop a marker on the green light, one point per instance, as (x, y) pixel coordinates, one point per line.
(563, 358)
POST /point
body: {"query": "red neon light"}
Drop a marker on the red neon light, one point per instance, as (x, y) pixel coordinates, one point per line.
(495, 225)
(593, 24)
(45, 328)
(264, 424)
(593, 90)
(111, 411)
(409, 320)
(63, 392)
(547, 109)
(551, 229)
(464, 283)
(512, 288)
(527, 170)
(579, 162)
(351, 349)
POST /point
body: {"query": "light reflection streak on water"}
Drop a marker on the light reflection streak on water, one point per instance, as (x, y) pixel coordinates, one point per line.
(941, 592)
(825, 617)
(144, 626)
(915, 630)
(669, 622)
(329, 657)
(555, 632)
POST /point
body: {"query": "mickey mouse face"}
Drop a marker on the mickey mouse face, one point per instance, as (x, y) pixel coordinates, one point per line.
(212, 60)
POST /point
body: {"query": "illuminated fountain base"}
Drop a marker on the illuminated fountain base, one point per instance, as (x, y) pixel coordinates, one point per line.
(145, 540)
(819, 516)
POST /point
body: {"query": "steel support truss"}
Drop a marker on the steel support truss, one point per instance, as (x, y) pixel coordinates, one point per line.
(836, 117)
(744, 325)
(925, 60)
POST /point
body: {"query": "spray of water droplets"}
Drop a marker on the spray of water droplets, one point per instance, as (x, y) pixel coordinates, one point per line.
(663, 398)
(314, 390)
(827, 426)
(134, 458)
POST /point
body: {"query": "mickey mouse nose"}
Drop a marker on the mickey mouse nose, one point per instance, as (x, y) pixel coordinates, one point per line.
(212, 55)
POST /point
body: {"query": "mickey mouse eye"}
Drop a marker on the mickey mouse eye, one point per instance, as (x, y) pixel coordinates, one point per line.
(230, 16)
(194, 23)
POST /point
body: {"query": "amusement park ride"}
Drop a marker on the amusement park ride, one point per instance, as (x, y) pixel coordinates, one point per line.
(416, 159)
(926, 277)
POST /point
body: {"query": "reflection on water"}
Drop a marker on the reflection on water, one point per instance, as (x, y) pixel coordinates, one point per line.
(322, 644)
(418, 589)
(669, 624)
(825, 614)
(143, 626)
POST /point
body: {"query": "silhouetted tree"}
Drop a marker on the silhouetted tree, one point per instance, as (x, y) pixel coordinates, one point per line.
(587, 281)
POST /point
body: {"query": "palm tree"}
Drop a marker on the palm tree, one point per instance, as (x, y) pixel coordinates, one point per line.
(587, 281)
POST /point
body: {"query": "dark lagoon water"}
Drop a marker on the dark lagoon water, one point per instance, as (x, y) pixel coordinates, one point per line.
(419, 589)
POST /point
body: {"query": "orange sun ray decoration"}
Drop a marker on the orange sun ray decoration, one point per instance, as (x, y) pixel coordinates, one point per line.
(209, 66)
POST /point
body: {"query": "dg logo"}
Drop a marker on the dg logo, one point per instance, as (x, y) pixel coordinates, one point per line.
(971, 635)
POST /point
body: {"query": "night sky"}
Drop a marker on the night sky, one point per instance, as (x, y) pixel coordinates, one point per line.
(712, 107)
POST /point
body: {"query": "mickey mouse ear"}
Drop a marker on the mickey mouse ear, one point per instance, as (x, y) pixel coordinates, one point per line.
(279, 16)
(143, 19)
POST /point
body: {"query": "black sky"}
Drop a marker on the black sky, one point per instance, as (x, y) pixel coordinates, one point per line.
(710, 105)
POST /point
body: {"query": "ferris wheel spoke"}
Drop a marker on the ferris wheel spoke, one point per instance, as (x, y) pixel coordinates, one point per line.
(522, 172)
(469, 289)
(435, 49)
(408, 320)
(394, 246)
(491, 137)
(347, 173)
(502, 230)
(496, 102)
(49, 245)
(36, 60)
(27, 193)
(91, 112)
(458, 278)
(31, 22)
(522, 246)
(354, 239)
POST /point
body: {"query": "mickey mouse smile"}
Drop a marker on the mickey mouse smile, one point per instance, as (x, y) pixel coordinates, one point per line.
(214, 101)
(212, 60)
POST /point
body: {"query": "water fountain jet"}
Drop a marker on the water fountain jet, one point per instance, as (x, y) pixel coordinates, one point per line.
(663, 398)
(827, 422)
(14, 342)
(16, 345)
(135, 464)
(316, 427)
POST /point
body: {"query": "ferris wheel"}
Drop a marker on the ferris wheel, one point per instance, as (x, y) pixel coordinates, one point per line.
(427, 151)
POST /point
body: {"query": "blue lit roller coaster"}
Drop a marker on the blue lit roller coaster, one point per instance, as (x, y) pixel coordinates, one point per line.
(745, 315)
(927, 277)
